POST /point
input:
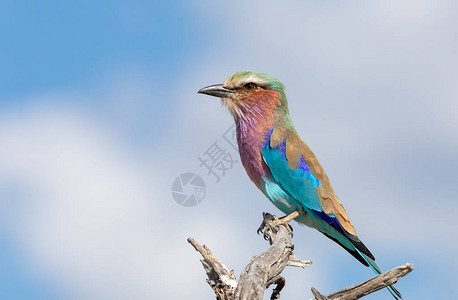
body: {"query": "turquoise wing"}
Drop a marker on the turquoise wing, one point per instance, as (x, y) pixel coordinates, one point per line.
(300, 184)
(299, 187)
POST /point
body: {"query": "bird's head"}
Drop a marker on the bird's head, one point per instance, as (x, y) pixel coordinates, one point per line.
(250, 93)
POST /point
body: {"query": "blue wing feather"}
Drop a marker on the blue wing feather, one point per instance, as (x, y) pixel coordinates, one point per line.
(299, 187)
(296, 189)
(300, 183)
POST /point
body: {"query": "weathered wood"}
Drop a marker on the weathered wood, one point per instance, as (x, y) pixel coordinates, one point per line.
(372, 285)
(317, 295)
(220, 279)
(280, 282)
(265, 269)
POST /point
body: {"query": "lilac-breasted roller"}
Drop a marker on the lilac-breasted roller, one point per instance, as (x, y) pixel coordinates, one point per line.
(281, 165)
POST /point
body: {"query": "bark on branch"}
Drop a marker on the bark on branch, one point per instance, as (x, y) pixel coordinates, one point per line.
(265, 269)
(369, 286)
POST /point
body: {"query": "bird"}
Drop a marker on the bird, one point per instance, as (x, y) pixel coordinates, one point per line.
(281, 165)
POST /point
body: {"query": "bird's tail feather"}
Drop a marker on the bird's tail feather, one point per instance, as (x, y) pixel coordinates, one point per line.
(396, 294)
(353, 245)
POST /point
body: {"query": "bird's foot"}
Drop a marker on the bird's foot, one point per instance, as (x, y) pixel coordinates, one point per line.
(266, 217)
(269, 220)
(285, 221)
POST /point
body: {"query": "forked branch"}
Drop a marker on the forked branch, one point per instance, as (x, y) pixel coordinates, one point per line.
(265, 269)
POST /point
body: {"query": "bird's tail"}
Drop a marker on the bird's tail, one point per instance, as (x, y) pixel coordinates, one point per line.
(350, 243)
(396, 294)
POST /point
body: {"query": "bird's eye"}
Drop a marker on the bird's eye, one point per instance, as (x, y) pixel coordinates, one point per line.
(249, 85)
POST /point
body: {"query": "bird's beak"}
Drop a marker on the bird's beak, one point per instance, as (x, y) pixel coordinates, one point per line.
(216, 90)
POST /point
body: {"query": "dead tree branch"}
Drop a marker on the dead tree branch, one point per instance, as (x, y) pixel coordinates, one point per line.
(221, 280)
(265, 269)
(369, 286)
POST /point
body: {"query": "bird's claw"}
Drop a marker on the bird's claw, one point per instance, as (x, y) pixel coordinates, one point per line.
(265, 218)
(285, 222)
(273, 220)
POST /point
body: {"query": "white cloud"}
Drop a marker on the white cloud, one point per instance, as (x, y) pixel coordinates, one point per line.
(99, 222)
(362, 83)
(88, 212)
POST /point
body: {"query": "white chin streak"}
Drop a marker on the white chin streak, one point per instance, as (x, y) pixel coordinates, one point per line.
(233, 108)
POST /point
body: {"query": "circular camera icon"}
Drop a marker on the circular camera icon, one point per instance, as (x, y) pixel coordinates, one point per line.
(188, 189)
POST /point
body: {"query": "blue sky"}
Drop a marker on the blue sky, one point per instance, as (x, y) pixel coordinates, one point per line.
(53, 45)
(99, 114)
